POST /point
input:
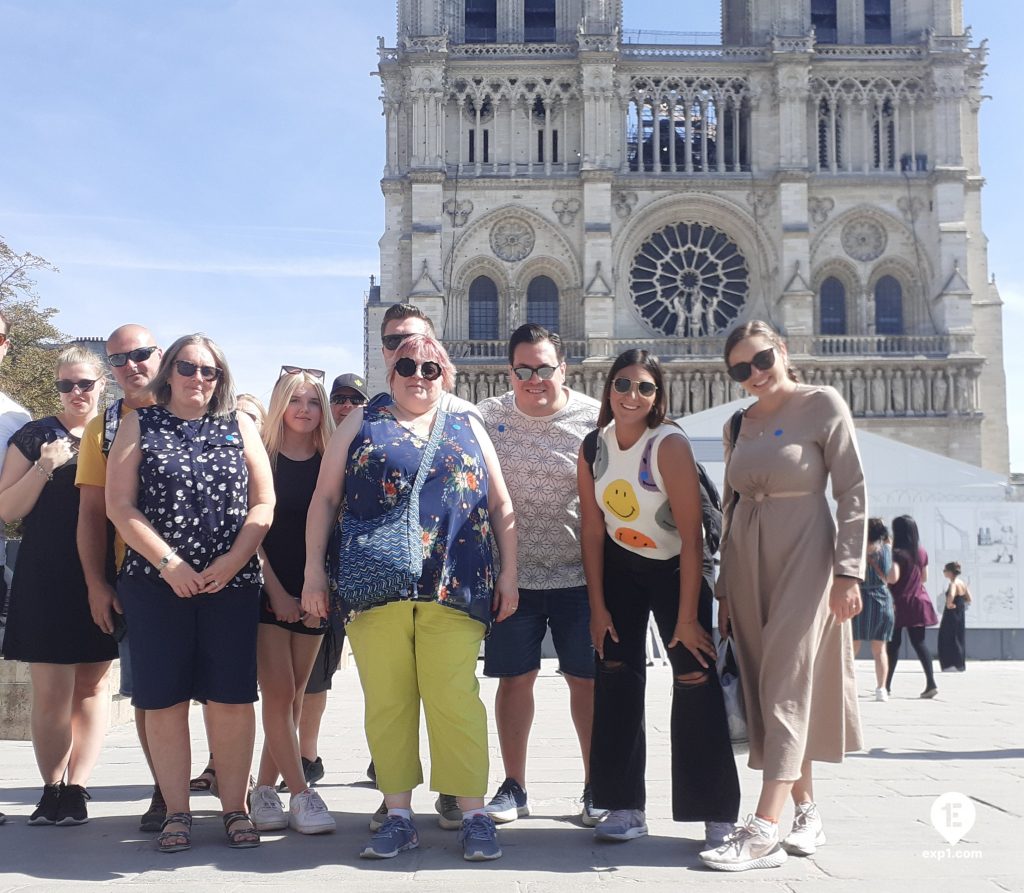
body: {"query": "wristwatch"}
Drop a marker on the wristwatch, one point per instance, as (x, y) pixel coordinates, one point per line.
(166, 560)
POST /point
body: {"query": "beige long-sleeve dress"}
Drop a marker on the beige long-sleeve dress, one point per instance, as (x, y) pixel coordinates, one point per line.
(780, 550)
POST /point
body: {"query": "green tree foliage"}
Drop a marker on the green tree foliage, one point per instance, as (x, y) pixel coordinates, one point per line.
(27, 375)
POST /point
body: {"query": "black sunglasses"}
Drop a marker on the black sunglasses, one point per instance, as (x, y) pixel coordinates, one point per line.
(139, 355)
(408, 367)
(66, 385)
(188, 370)
(297, 370)
(342, 399)
(643, 388)
(763, 360)
(525, 373)
(391, 342)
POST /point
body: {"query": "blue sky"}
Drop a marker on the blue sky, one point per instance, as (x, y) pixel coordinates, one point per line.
(215, 165)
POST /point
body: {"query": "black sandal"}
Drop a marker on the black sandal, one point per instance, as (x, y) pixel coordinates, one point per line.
(240, 838)
(163, 842)
(205, 782)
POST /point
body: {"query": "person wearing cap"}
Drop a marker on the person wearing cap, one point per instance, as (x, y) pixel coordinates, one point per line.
(347, 392)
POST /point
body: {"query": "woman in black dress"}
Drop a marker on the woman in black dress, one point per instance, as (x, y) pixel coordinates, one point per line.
(50, 625)
(295, 434)
(953, 628)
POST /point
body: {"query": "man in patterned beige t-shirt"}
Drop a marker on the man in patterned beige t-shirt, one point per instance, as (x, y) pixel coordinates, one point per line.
(537, 429)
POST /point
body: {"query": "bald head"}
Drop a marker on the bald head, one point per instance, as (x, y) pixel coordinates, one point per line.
(133, 374)
(135, 335)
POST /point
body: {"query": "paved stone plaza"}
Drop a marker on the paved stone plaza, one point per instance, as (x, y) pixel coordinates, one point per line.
(876, 808)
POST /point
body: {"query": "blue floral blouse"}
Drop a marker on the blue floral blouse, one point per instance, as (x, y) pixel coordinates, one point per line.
(458, 561)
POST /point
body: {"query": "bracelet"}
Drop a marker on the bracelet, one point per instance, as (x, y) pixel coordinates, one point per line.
(166, 560)
(46, 474)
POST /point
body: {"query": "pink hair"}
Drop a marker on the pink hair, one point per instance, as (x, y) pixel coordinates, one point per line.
(425, 349)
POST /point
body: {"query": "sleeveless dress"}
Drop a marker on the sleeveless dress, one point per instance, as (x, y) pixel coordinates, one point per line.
(876, 620)
(458, 559)
(49, 619)
(285, 542)
(193, 489)
(780, 550)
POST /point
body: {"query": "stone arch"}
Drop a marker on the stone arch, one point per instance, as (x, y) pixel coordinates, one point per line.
(917, 319)
(568, 291)
(700, 207)
(458, 309)
(851, 280)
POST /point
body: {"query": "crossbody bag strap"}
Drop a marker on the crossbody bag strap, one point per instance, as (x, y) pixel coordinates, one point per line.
(428, 454)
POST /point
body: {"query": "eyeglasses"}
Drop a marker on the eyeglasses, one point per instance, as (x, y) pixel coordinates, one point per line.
(763, 360)
(354, 399)
(188, 370)
(297, 370)
(643, 388)
(408, 367)
(84, 385)
(139, 355)
(544, 373)
(391, 342)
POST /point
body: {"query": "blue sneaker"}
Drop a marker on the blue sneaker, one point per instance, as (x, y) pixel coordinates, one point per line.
(479, 839)
(509, 803)
(395, 835)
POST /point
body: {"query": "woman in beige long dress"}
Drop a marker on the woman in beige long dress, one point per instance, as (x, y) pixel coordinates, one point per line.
(789, 582)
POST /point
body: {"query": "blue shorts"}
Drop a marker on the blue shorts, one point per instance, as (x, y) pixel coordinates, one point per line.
(201, 648)
(513, 647)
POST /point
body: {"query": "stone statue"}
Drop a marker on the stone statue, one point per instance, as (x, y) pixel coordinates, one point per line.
(963, 392)
(899, 394)
(463, 388)
(940, 392)
(878, 393)
(858, 393)
(717, 390)
(917, 395)
(697, 403)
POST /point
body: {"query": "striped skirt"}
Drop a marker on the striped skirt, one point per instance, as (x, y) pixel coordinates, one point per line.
(876, 620)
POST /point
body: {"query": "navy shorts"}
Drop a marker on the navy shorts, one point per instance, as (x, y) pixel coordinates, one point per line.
(513, 647)
(124, 653)
(201, 648)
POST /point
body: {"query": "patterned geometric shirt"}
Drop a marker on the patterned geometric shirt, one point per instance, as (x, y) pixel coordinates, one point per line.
(538, 460)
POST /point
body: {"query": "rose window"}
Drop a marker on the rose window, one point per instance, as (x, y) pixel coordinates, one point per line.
(689, 279)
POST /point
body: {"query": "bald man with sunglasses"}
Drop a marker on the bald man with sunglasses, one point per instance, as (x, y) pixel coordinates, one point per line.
(134, 359)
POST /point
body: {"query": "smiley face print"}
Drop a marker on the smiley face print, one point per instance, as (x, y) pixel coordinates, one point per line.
(620, 499)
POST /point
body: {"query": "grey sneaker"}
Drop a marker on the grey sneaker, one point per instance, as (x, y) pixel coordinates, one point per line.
(378, 818)
(479, 839)
(449, 816)
(622, 824)
(308, 814)
(749, 846)
(394, 835)
(509, 803)
(267, 810)
(715, 833)
(589, 814)
(807, 833)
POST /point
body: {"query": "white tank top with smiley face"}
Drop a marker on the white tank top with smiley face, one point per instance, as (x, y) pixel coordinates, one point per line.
(630, 491)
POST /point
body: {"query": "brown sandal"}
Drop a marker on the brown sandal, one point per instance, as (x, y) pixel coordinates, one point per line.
(205, 782)
(240, 838)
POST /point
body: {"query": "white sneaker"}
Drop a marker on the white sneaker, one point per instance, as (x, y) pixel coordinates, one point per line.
(622, 824)
(307, 814)
(807, 834)
(881, 694)
(754, 844)
(267, 810)
(716, 833)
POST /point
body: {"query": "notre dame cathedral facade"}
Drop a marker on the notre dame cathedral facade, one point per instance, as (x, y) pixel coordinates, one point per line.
(816, 167)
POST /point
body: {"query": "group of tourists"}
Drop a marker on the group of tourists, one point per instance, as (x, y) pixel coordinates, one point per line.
(235, 561)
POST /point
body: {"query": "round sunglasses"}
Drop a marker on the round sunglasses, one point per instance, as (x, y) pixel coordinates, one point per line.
(188, 370)
(643, 388)
(408, 367)
(525, 373)
(84, 385)
(763, 360)
(139, 355)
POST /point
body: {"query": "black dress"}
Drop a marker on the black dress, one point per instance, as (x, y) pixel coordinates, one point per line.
(953, 636)
(49, 619)
(285, 542)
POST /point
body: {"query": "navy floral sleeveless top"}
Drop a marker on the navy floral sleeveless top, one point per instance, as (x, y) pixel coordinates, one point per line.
(458, 562)
(193, 489)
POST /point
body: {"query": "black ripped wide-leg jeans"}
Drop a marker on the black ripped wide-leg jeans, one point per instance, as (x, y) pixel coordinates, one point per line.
(705, 786)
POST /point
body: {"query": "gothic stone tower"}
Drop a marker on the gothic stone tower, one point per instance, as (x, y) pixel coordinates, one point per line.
(818, 168)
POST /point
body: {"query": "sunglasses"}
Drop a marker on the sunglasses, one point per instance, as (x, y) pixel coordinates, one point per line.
(525, 373)
(139, 355)
(342, 399)
(643, 388)
(188, 370)
(408, 367)
(391, 342)
(84, 385)
(763, 360)
(297, 370)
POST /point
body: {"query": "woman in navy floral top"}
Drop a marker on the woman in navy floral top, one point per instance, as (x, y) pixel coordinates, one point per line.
(422, 644)
(190, 490)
